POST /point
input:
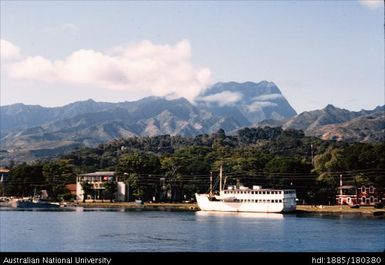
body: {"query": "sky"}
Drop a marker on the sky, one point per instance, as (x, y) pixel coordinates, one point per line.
(317, 52)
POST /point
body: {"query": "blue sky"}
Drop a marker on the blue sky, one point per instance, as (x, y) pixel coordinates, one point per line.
(317, 52)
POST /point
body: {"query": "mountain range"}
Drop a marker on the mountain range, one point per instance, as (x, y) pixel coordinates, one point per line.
(332, 123)
(33, 131)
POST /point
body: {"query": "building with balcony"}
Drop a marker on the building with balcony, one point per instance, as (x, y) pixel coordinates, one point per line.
(97, 181)
(364, 195)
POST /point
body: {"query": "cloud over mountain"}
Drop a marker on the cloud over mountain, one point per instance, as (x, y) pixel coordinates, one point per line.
(223, 98)
(159, 70)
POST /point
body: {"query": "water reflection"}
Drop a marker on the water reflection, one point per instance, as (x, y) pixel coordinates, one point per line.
(241, 214)
(63, 209)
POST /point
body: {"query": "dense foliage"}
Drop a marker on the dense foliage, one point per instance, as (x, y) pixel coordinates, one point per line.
(173, 168)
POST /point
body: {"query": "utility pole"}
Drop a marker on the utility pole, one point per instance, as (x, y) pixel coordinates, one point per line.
(341, 193)
(312, 154)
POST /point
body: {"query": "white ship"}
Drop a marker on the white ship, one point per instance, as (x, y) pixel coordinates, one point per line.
(244, 199)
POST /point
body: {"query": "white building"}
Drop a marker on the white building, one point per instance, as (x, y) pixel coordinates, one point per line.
(97, 180)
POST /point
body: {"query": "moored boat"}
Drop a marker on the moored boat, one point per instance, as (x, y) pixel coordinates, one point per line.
(244, 199)
(34, 203)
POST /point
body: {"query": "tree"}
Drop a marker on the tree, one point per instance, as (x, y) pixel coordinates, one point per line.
(327, 163)
(137, 166)
(23, 179)
(57, 173)
(111, 187)
(87, 189)
(139, 163)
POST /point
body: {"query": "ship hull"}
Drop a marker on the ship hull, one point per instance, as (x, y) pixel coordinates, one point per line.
(205, 204)
(30, 204)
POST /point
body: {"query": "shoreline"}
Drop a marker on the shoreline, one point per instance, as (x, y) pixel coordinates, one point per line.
(301, 209)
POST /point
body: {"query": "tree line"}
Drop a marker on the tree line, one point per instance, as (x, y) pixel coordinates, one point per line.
(173, 168)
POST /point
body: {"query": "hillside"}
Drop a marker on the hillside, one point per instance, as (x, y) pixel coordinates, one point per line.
(332, 123)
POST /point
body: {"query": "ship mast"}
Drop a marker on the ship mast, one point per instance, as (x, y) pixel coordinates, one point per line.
(220, 178)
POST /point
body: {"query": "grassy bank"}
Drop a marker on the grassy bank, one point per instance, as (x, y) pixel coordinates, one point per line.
(333, 209)
(340, 209)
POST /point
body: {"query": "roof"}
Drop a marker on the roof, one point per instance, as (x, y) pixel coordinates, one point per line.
(99, 173)
(71, 187)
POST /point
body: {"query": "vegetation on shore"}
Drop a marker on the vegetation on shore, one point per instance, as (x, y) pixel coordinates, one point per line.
(173, 168)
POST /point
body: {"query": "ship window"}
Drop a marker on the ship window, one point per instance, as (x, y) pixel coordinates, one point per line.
(264, 192)
(268, 192)
(371, 199)
(371, 189)
(280, 200)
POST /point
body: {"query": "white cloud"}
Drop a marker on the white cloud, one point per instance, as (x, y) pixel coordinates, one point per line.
(372, 4)
(268, 97)
(255, 106)
(8, 51)
(159, 70)
(223, 98)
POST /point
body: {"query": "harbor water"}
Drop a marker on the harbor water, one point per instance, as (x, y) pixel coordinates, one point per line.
(123, 230)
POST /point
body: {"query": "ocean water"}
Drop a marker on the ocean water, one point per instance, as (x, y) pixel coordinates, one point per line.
(122, 230)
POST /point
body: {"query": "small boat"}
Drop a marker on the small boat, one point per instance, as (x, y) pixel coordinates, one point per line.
(35, 203)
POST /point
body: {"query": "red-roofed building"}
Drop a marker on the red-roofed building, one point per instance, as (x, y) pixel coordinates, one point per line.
(71, 187)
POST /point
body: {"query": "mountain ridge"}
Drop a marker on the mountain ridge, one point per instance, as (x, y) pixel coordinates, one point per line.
(30, 131)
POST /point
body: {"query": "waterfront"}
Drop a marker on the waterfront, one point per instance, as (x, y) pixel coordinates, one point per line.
(124, 230)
